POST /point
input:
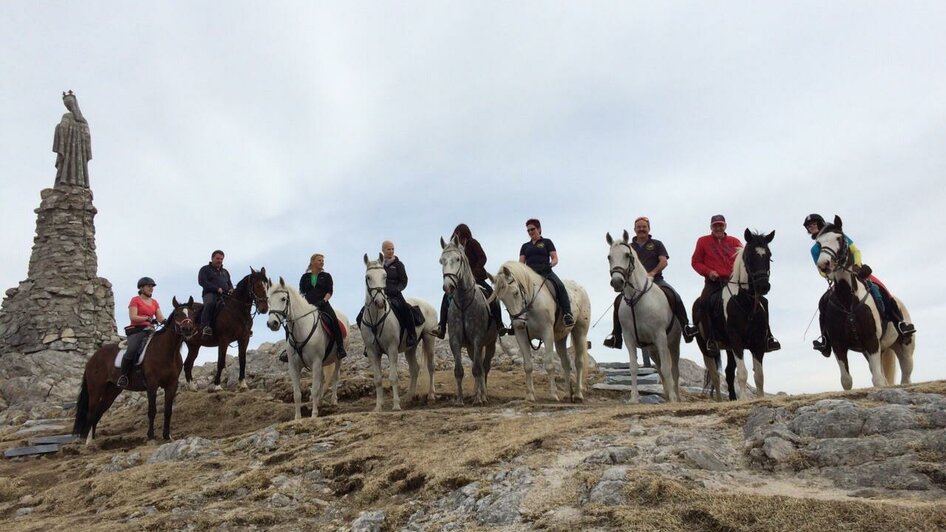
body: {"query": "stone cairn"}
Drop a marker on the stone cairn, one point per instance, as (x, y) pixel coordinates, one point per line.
(62, 305)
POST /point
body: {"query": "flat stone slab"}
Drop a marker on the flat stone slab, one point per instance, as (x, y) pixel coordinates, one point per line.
(39, 428)
(644, 388)
(641, 379)
(641, 370)
(27, 451)
(63, 438)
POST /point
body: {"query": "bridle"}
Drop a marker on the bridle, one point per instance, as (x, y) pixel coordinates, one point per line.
(626, 272)
(181, 325)
(459, 280)
(373, 292)
(282, 317)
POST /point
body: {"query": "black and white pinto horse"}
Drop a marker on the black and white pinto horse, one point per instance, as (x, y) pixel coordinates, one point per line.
(646, 316)
(468, 320)
(746, 317)
(530, 300)
(852, 320)
(381, 333)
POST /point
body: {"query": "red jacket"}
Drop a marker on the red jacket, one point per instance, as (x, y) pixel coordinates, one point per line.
(716, 254)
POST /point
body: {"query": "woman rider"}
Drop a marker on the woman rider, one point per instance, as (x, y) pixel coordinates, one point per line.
(477, 259)
(814, 223)
(316, 286)
(540, 255)
(143, 313)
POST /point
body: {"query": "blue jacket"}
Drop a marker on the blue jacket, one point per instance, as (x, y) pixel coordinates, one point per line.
(211, 279)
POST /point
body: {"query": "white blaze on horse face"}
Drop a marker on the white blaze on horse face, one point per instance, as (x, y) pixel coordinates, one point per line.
(830, 245)
(618, 257)
(760, 251)
(375, 281)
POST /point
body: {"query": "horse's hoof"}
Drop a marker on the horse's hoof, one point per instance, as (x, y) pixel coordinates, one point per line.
(215, 388)
(396, 407)
(530, 397)
(244, 385)
(192, 386)
(377, 409)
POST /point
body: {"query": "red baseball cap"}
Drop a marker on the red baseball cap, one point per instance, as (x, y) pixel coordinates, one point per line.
(717, 219)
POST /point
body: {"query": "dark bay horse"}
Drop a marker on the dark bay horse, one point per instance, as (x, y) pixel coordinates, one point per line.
(234, 323)
(851, 317)
(745, 318)
(160, 368)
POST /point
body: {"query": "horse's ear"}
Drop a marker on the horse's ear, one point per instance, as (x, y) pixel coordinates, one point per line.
(262, 272)
(365, 258)
(174, 302)
(442, 243)
(837, 221)
(381, 257)
(504, 270)
(747, 235)
(252, 271)
(626, 237)
(281, 282)
(491, 278)
(607, 236)
(455, 240)
(769, 237)
(190, 301)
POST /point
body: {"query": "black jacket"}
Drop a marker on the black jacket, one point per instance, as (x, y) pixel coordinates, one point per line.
(314, 292)
(211, 279)
(397, 277)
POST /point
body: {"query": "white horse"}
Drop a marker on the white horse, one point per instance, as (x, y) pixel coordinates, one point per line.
(646, 316)
(307, 340)
(531, 304)
(381, 333)
(853, 321)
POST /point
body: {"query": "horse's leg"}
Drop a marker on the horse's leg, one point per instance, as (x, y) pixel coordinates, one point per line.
(221, 363)
(630, 342)
(242, 343)
(294, 376)
(665, 367)
(560, 348)
(392, 377)
(732, 361)
(757, 373)
(549, 359)
(456, 348)
(335, 375)
(525, 348)
(105, 399)
(846, 381)
(488, 351)
(152, 410)
(876, 369)
(581, 356)
(429, 359)
(905, 356)
(742, 374)
(192, 350)
(378, 379)
(169, 393)
(413, 369)
(317, 379)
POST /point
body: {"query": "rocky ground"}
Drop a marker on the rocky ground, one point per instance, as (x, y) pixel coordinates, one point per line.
(860, 460)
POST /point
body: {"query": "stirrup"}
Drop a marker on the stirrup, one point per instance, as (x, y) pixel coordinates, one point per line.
(905, 328)
(440, 332)
(122, 381)
(568, 319)
(711, 345)
(689, 333)
(208, 331)
(772, 345)
(612, 341)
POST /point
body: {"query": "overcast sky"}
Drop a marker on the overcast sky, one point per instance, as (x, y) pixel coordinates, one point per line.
(275, 130)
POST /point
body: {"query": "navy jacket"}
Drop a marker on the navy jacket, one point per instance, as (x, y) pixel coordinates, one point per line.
(211, 279)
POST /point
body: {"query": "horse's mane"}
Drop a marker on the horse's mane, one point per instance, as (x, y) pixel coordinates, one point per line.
(739, 271)
(243, 287)
(463, 258)
(523, 274)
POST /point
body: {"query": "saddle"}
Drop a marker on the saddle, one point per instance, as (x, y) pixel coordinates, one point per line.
(329, 357)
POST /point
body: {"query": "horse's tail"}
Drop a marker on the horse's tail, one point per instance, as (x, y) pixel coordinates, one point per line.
(81, 426)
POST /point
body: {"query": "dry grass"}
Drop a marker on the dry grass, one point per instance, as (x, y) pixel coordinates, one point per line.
(390, 460)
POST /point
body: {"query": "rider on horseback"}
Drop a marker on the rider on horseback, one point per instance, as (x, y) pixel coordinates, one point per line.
(215, 281)
(886, 304)
(653, 256)
(540, 255)
(714, 258)
(396, 283)
(143, 312)
(477, 259)
(317, 287)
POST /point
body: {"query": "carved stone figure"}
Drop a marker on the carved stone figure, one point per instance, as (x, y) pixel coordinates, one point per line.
(73, 145)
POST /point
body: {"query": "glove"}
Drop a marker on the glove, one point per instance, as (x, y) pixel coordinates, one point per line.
(864, 272)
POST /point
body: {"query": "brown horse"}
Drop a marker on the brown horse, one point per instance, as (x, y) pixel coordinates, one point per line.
(161, 368)
(234, 322)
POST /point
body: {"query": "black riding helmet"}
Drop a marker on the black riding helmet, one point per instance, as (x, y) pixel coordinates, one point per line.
(145, 281)
(814, 218)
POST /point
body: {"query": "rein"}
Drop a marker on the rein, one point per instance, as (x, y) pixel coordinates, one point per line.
(527, 306)
(632, 300)
(289, 325)
(459, 280)
(376, 328)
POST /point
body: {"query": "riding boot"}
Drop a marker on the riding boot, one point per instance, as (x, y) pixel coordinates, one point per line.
(410, 336)
(614, 340)
(904, 328)
(127, 364)
(442, 324)
(822, 345)
(359, 317)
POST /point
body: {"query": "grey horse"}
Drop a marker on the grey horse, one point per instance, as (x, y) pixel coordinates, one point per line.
(469, 323)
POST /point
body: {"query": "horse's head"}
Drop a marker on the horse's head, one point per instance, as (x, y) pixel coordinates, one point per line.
(509, 290)
(376, 280)
(452, 260)
(182, 317)
(758, 260)
(258, 284)
(278, 303)
(834, 248)
(621, 260)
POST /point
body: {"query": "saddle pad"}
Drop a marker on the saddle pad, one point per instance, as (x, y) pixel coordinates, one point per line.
(141, 357)
(341, 326)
